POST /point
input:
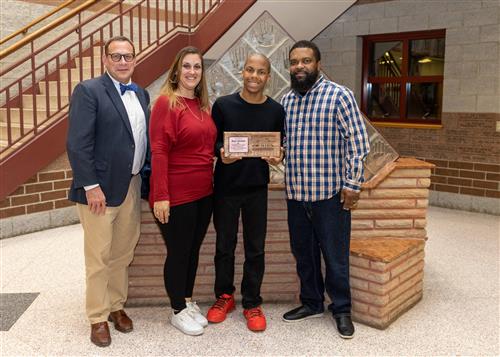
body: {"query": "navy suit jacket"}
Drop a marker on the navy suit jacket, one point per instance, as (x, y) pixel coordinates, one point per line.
(100, 143)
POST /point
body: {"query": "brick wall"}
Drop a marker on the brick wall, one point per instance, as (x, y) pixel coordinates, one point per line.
(466, 152)
(45, 191)
(386, 279)
(468, 140)
(397, 206)
(468, 178)
(391, 207)
(280, 280)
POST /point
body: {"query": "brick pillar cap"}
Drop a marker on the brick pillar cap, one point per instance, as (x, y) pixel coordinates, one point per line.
(401, 163)
(383, 249)
(412, 163)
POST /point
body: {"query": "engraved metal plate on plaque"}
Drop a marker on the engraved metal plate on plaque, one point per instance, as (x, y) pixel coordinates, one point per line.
(252, 144)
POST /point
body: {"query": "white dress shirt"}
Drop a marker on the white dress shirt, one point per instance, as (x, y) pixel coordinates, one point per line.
(137, 120)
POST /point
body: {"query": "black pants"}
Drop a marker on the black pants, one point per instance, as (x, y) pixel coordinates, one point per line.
(183, 235)
(253, 207)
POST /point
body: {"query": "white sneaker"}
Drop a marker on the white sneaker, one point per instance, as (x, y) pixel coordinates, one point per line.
(195, 313)
(185, 323)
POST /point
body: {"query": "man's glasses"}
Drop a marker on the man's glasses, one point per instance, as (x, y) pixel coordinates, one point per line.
(117, 57)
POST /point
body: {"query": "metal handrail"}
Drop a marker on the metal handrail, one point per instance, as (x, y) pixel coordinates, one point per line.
(35, 22)
(49, 27)
(69, 31)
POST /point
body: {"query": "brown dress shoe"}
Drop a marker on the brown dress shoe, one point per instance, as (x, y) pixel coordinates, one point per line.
(99, 334)
(122, 322)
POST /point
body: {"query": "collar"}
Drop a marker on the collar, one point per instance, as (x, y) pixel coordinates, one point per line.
(116, 83)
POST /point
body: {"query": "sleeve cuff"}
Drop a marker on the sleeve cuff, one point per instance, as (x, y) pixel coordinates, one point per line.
(159, 198)
(90, 187)
(352, 186)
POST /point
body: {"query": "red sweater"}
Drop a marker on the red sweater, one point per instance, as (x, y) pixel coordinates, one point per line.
(182, 148)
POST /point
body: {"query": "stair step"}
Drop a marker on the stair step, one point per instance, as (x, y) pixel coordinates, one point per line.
(15, 115)
(53, 87)
(75, 74)
(15, 130)
(87, 63)
(41, 101)
(97, 51)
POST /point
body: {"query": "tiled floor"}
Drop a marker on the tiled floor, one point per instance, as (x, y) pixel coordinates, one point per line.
(459, 314)
(12, 306)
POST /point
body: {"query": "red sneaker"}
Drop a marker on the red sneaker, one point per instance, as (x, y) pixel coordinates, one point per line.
(219, 310)
(256, 321)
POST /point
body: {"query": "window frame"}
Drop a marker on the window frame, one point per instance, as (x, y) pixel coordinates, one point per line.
(404, 80)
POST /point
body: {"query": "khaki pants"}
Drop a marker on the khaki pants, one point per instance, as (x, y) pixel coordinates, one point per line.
(109, 243)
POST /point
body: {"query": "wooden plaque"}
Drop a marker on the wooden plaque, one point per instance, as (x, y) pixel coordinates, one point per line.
(252, 143)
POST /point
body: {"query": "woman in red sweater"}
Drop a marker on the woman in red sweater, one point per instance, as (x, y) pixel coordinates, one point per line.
(183, 135)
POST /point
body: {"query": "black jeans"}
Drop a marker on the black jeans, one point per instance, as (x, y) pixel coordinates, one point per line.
(183, 235)
(253, 207)
(315, 228)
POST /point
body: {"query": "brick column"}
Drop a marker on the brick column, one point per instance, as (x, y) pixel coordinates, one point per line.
(280, 279)
(393, 205)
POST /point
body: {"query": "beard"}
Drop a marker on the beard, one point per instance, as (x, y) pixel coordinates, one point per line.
(304, 84)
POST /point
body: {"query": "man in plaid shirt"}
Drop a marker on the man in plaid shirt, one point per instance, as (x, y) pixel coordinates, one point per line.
(326, 144)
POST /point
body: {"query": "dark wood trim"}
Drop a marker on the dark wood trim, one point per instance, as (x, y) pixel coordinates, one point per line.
(404, 79)
(364, 76)
(406, 35)
(384, 80)
(403, 87)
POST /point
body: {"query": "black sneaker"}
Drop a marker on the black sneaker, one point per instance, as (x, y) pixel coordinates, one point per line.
(301, 313)
(344, 326)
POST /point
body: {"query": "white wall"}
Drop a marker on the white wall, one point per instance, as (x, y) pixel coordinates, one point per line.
(471, 71)
(302, 19)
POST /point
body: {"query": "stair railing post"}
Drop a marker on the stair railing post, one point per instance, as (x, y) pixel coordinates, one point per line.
(58, 89)
(120, 7)
(33, 81)
(189, 15)
(158, 21)
(21, 111)
(139, 20)
(148, 17)
(80, 48)
(47, 94)
(9, 119)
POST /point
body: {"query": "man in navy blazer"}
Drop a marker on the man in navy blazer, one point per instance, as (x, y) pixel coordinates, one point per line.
(107, 145)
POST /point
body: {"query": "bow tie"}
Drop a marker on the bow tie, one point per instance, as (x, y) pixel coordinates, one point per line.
(125, 87)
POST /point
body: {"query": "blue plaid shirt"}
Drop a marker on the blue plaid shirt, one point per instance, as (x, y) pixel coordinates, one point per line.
(326, 142)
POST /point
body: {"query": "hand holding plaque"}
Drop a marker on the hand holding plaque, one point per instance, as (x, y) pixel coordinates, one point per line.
(252, 144)
(275, 160)
(226, 159)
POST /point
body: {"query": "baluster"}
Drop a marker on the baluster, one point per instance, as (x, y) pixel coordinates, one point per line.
(33, 80)
(139, 20)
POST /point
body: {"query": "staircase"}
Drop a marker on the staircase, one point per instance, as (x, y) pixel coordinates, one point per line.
(31, 138)
(50, 96)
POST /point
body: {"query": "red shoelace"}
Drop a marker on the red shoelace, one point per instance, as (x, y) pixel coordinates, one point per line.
(221, 303)
(255, 312)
